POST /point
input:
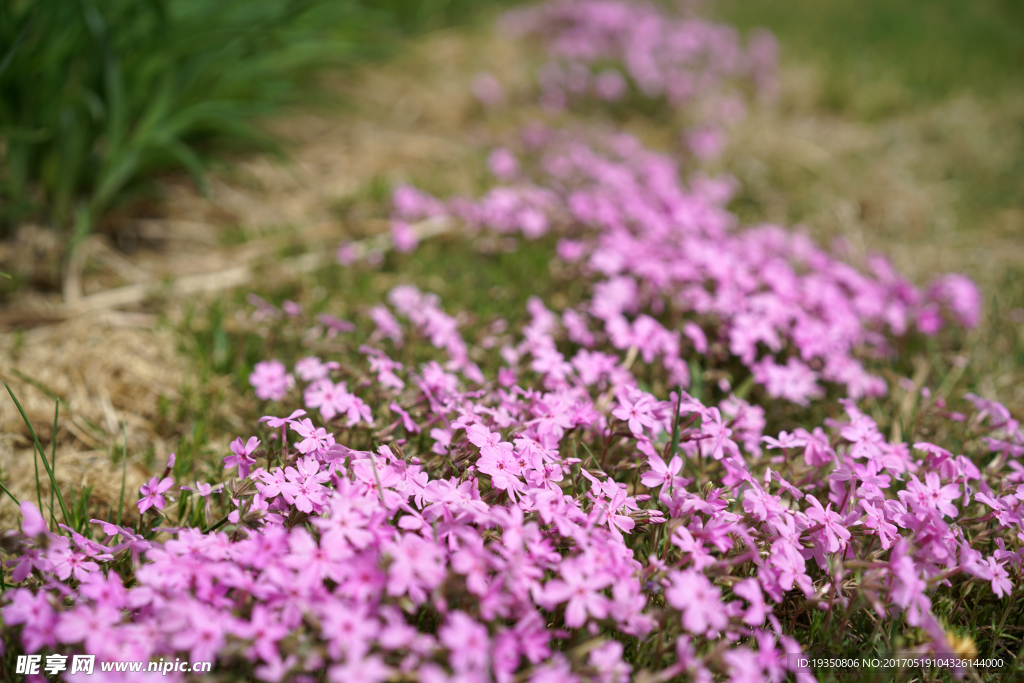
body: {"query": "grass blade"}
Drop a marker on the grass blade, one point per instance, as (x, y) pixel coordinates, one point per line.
(124, 470)
(68, 519)
(4, 489)
(39, 490)
(53, 453)
(37, 384)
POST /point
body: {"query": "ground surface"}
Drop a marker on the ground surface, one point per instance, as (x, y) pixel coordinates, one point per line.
(931, 176)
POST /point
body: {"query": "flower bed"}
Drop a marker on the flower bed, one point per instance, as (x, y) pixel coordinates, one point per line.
(562, 501)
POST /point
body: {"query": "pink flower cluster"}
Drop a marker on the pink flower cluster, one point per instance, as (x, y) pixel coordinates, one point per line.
(605, 49)
(674, 275)
(539, 513)
(539, 506)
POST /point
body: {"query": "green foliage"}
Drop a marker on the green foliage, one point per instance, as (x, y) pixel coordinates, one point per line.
(934, 48)
(97, 96)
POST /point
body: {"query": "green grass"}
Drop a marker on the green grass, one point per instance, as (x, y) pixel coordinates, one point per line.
(96, 97)
(879, 61)
(933, 48)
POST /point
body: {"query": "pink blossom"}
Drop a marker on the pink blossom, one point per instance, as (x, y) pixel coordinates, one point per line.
(581, 588)
(635, 410)
(271, 380)
(467, 641)
(151, 494)
(241, 457)
(32, 522)
(700, 602)
(931, 495)
(404, 237)
(836, 534)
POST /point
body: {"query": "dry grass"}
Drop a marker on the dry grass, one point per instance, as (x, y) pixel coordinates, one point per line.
(883, 185)
(110, 371)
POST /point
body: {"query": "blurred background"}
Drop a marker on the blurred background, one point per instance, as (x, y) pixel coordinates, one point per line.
(946, 77)
(96, 97)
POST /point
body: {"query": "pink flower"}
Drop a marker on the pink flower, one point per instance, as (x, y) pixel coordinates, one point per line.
(699, 601)
(417, 566)
(1001, 584)
(660, 473)
(503, 467)
(334, 326)
(106, 591)
(387, 325)
(369, 670)
(241, 457)
(908, 587)
(201, 631)
(314, 439)
(32, 522)
(581, 587)
(151, 494)
(404, 237)
(68, 562)
(960, 295)
(407, 422)
(931, 495)
(303, 487)
(636, 411)
(750, 590)
(502, 163)
(385, 368)
(744, 666)
(37, 616)
(275, 422)
(89, 625)
(607, 660)
(311, 368)
(835, 533)
(467, 641)
(26, 607)
(486, 440)
(271, 380)
(203, 489)
(887, 532)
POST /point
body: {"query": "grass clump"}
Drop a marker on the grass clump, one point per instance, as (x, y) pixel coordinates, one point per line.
(96, 97)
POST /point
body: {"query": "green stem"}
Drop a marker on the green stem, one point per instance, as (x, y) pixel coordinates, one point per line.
(216, 526)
